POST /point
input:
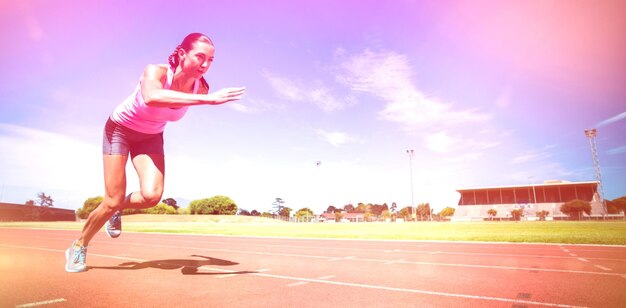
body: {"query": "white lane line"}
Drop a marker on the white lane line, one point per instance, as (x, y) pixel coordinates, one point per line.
(368, 286)
(573, 255)
(394, 262)
(603, 268)
(359, 285)
(341, 258)
(326, 277)
(501, 267)
(234, 273)
(332, 259)
(52, 301)
(324, 248)
(226, 276)
(583, 259)
(299, 283)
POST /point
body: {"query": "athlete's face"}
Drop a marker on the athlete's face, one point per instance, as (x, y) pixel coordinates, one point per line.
(197, 61)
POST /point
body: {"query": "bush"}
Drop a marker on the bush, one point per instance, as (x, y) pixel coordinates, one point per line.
(88, 207)
(217, 205)
(542, 215)
(161, 208)
(575, 208)
(517, 214)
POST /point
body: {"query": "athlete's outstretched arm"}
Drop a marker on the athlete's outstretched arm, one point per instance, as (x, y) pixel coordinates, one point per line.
(154, 94)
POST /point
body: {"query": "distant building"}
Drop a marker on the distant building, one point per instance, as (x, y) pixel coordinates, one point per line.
(346, 217)
(549, 196)
(20, 212)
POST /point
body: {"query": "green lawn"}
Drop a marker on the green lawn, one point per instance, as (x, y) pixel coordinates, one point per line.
(587, 232)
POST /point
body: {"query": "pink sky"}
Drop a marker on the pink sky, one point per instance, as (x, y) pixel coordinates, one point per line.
(487, 92)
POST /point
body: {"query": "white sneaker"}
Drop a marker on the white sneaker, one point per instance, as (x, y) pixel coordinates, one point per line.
(113, 226)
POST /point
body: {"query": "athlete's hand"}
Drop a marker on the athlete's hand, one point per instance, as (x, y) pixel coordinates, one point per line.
(226, 95)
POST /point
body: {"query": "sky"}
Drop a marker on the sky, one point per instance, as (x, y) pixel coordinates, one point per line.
(486, 93)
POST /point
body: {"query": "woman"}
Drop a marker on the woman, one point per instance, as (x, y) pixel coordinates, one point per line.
(135, 129)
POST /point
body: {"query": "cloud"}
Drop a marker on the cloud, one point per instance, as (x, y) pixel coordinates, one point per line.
(533, 156)
(242, 108)
(440, 142)
(47, 161)
(388, 76)
(317, 93)
(255, 105)
(618, 150)
(614, 119)
(337, 138)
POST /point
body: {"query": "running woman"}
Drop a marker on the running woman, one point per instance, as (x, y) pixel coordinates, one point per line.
(135, 130)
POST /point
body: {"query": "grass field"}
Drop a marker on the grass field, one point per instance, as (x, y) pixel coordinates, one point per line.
(584, 232)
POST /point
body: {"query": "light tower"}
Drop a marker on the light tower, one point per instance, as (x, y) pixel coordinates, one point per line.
(411, 153)
(591, 134)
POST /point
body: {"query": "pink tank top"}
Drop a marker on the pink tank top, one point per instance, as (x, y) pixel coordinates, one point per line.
(133, 113)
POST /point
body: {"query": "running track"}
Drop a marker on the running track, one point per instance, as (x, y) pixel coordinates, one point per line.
(164, 270)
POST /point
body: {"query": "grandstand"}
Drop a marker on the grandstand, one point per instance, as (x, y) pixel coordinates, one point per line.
(549, 196)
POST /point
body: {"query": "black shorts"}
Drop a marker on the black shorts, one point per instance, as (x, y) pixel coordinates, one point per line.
(120, 140)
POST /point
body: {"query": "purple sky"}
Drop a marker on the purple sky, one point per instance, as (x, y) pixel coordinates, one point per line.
(487, 93)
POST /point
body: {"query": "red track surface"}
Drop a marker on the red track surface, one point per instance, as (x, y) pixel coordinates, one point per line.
(158, 270)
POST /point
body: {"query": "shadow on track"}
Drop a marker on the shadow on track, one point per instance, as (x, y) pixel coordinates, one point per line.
(187, 266)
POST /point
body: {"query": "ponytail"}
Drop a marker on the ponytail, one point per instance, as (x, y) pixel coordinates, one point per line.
(174, 59)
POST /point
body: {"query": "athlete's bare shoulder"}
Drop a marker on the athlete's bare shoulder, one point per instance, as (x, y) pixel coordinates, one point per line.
(155, 72)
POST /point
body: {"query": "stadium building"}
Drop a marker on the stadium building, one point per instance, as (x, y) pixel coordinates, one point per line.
(549, 196)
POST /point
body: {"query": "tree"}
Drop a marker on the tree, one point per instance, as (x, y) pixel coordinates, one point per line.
(405, 213)
(88, 206)
(285, 212)
(216, 205)
(161, 208)
(244, 212)
(278, 206)
(331, 209)
(349, 208)
(30, 203)
(423, 211)
(255, 213)
(542, 215)
(386, 214)
(517, 214)
(618, 204)
(45, 201)
(363, 208)
(304, 214)
(267, 215)
(492, 213)
(338, 216)
(575, 208)
(447, 211)
(378, 209)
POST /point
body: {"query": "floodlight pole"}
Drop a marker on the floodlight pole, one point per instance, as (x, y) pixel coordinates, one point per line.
(591, 134)
(411, 153)
(532, 181)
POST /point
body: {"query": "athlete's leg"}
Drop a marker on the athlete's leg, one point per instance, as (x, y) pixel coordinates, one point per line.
(115, 191)
(151, 171)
